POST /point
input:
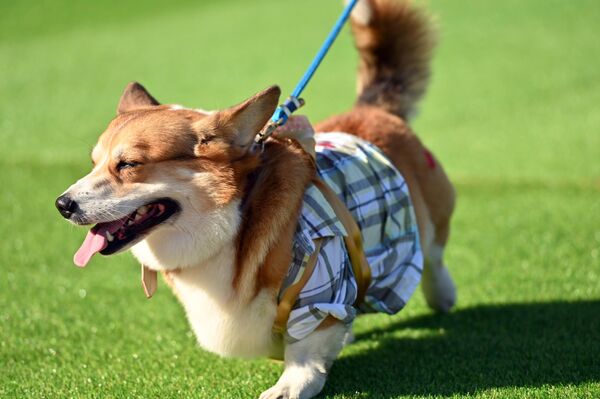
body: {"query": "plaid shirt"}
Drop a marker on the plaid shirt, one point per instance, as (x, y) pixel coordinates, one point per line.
(377, 197)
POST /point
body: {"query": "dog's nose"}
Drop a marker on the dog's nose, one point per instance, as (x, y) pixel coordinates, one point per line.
(66, 206)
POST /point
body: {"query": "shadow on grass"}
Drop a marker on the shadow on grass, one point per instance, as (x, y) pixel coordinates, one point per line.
(516, 345)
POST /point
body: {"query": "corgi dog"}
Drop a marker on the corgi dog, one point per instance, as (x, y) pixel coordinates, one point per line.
(193, 197)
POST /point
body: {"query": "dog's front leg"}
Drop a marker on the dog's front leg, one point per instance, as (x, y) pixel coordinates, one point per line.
(307, 363)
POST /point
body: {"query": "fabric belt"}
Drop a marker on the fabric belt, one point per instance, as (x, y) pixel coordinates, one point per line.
(358, 260)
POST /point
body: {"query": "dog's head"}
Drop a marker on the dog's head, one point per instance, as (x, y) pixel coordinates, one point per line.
(167, 180)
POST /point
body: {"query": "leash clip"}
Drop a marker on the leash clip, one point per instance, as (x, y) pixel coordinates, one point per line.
(265, 133)
(279, 118)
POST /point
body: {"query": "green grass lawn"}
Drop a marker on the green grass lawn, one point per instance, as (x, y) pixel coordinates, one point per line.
(512, 112)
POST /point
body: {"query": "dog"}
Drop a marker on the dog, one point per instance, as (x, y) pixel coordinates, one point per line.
(193, 197)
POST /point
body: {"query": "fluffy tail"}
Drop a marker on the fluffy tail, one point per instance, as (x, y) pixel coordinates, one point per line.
(395, 41)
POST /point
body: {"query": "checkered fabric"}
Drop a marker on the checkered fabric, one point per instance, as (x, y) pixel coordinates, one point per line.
(377, 197)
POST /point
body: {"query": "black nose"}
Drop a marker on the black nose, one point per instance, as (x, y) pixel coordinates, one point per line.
(66, 206)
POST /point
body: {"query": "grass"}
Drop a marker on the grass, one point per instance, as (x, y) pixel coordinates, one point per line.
(512, 112)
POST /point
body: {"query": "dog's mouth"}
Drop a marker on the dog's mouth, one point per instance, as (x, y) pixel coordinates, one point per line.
(111, 237)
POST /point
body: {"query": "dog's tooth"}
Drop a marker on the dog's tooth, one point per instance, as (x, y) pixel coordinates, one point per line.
(137, 216)
(109, 236)
(143, 210)
(129, 222)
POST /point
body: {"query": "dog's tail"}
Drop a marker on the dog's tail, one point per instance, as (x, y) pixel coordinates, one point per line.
(395, 41)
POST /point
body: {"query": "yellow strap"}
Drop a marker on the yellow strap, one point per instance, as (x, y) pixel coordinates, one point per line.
(353, 241)
(291, 293)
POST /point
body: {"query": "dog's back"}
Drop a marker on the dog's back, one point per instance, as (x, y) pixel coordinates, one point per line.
(395, 42)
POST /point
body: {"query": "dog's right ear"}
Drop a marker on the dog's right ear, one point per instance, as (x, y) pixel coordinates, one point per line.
(135, 96)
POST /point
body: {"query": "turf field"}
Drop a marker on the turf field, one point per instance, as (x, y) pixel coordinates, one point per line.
(512, 112)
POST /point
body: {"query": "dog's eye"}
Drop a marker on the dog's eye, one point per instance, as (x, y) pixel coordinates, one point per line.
(205, 140)
(124, 165)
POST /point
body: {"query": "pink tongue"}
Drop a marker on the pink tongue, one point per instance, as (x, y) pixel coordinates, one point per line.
(92, 244)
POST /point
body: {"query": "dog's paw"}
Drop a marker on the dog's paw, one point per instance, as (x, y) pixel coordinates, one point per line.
(297, 383)
(439, 289)
(277, 392)
(349, 338)
(288, 391)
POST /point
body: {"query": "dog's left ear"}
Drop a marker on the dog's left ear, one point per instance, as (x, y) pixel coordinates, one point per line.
(135, 96)
(249, 117)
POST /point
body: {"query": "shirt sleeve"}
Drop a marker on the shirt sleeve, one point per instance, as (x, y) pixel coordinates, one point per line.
(330, 291)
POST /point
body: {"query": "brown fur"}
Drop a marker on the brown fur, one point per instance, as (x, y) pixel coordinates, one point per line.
(431, 191)
(135, 96)
(271, 208)
(160, 140)
(271, 184)
(395, 51)
(209, 161)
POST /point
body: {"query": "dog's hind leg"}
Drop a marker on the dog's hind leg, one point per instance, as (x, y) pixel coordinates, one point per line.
(433, 201)
(439, 196)
(437, 285)
(307, 363)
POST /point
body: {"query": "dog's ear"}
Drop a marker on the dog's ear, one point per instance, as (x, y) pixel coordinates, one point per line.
(249, 117)
(135, 96)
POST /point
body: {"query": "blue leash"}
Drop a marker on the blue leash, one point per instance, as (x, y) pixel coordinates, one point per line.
(294, 102)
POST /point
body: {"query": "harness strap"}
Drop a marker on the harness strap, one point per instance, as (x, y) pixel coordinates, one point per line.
(356, 253)
(290, 295)
(358, 260)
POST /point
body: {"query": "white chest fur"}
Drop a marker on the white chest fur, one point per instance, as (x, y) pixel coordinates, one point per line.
(201, 246)
(222, 323)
